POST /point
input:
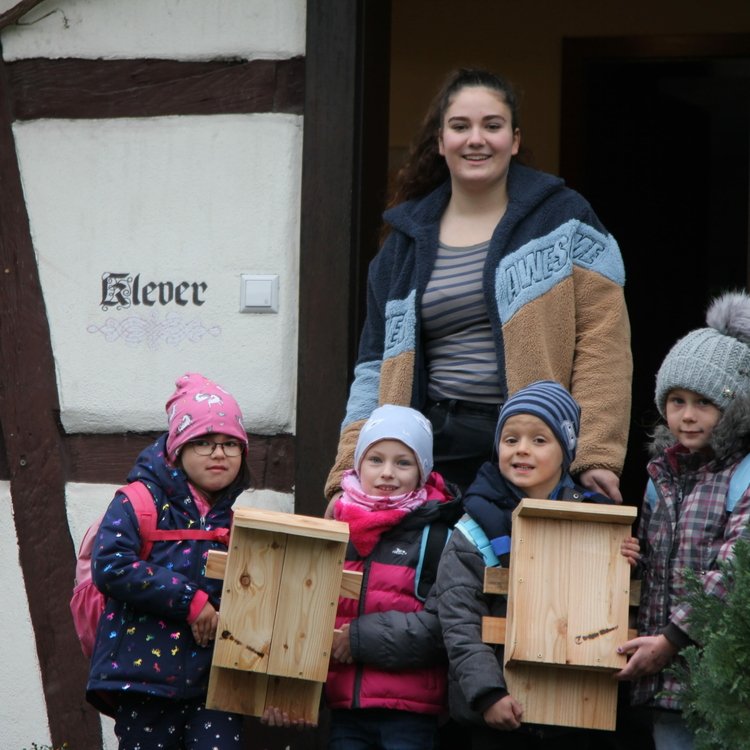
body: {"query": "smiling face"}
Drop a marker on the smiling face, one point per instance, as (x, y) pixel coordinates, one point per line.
(691, 418)
(530, 456)
(388, 468)
(477, 138)
(213, 473)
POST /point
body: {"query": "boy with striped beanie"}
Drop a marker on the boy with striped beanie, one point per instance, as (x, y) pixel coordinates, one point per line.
(535, 444)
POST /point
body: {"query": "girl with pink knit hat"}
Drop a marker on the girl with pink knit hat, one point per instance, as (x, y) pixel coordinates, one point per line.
(153, 649)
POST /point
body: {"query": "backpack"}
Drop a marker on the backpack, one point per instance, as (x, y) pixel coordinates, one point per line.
(738, 483)
(476, 535)
(434, 537)
(87, 602)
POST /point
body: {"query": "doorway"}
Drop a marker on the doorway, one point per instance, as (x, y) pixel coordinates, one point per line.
(656, 134)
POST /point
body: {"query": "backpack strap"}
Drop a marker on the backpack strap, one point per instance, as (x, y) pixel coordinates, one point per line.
(144, 505)
(475, 534)
(739, 483)
(434, 537)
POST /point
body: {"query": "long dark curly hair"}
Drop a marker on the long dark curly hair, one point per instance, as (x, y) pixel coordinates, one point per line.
(425, 168)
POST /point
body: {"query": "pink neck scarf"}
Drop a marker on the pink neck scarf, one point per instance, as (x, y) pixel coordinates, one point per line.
(369, 516)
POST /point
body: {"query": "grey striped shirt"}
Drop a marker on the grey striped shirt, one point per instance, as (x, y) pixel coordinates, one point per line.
(461, 356)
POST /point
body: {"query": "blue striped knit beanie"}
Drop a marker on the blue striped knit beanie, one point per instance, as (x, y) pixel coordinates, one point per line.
(392, 422)
(713, 361)
(551, 403)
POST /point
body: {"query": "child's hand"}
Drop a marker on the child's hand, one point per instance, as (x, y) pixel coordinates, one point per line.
(204, 626)
(649, 655)
(275, 717)
(505, 714)
(341, 649)
(630, 549)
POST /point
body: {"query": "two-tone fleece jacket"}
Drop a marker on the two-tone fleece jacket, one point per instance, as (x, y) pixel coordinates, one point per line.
(553, 287)
(688, 528)
(475, 673)
(144, 642)
(395, 637)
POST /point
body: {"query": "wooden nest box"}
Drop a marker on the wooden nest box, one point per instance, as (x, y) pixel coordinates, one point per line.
(283, 576)
(568, 591)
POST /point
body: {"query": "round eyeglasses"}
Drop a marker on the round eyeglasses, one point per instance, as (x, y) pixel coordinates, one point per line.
(231, 448)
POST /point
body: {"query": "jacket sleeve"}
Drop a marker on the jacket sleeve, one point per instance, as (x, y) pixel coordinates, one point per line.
(461, 606)
(119, 572)
(561, 304)
(602, 366)
(398, 640)
(365, 389)
(713, 579)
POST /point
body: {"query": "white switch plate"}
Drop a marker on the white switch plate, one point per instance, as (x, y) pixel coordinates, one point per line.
(259, 293)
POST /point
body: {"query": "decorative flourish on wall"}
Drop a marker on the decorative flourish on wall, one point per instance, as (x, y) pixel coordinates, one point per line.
(154, 331)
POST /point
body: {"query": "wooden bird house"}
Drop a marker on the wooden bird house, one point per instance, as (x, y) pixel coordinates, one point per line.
(568, 591)
(283, 575)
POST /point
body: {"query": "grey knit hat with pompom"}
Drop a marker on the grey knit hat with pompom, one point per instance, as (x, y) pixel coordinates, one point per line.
(713, 361)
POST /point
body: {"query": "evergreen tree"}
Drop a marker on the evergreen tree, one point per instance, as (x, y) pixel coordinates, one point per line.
(716, 673)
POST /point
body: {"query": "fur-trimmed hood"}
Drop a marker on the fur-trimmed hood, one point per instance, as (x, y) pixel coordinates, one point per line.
(730, 437)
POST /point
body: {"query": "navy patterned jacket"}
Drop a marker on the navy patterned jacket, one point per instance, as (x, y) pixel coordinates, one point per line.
(144, 643)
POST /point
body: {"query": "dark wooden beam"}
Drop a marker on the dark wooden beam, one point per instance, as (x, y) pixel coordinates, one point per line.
(344, 169)
(75, 88)
(107, 459)
(32, 436)
(19, 9)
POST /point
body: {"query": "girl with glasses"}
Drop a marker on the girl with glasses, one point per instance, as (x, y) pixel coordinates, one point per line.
(153, 648)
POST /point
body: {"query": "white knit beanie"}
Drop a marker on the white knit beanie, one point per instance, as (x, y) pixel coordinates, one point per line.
(713, 361)
(392, 422)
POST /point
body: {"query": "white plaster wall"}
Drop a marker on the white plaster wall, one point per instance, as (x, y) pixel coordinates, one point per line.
(23, 714)
(196, 199)
(174, 29)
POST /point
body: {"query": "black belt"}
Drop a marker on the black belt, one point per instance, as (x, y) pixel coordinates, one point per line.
(455, 405)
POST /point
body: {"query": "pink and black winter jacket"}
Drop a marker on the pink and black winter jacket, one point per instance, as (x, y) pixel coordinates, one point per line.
(396, 640)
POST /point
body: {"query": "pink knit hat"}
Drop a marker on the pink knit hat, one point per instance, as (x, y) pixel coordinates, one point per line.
(200, 406)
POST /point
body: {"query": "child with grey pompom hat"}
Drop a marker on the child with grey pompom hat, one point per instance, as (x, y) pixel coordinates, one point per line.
(693, 512)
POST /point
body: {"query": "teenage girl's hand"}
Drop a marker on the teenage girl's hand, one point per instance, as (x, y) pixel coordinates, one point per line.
(603, 481)
(204, 626)
(505, 714)
(275, 717)
(649, 655)
(331, 503)
(631, 550)
(341, 648)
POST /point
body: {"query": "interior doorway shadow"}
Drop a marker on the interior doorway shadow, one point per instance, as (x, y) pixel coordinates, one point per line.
(656, 135)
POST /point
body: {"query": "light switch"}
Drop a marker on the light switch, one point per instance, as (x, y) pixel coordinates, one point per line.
(259, 293)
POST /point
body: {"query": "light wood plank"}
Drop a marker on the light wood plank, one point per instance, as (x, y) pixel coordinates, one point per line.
(289, 523)
(538, 591)
(351, 580)
(564, 697)
(306, 611)
(575, 511)
(493, 629)
(496, 580)
(351, 584)
(216, 564)
(249, 599)
(237, 691)
(597, 608)
(300, 699)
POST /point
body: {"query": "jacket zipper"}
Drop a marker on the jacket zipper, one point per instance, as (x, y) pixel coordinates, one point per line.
(360, 612)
